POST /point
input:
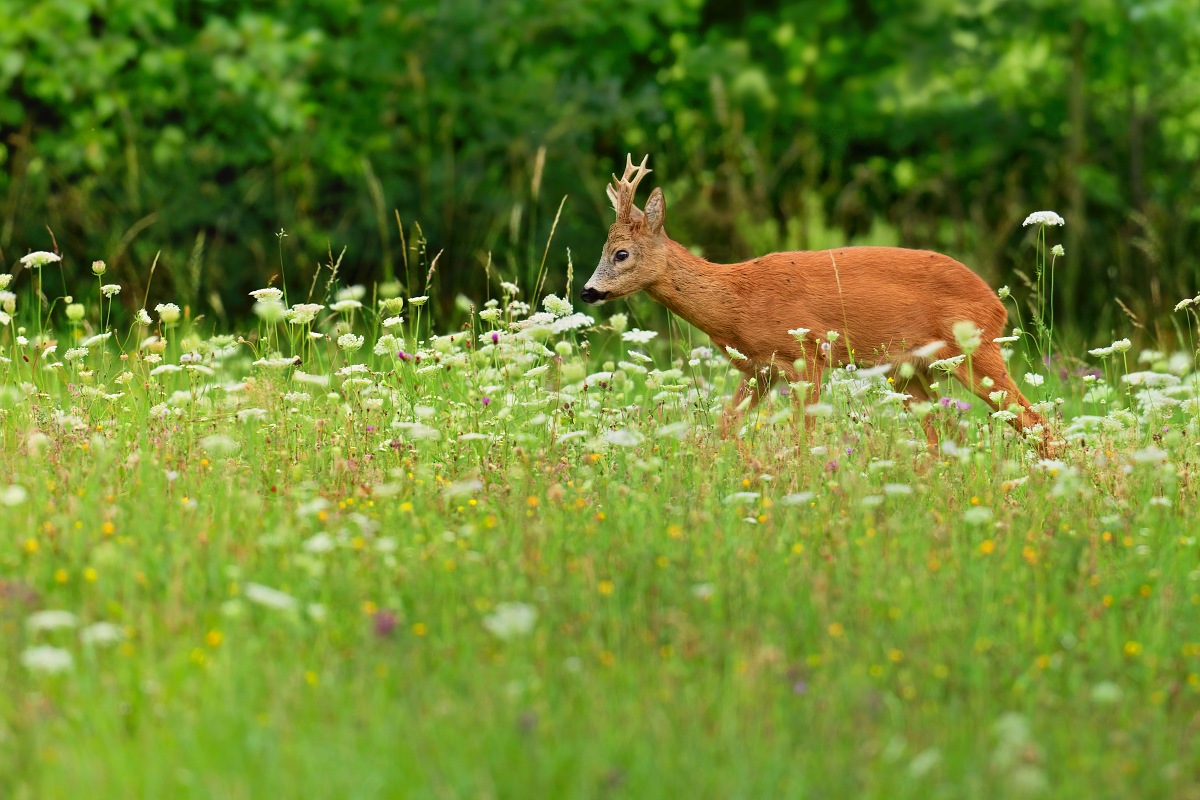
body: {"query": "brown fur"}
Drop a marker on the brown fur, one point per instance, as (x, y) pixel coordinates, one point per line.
(884, 302)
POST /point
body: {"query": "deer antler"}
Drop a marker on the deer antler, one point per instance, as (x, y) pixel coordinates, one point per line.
(625, 187)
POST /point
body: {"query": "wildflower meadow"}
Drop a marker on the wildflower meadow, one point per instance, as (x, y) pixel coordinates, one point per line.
(368, 545)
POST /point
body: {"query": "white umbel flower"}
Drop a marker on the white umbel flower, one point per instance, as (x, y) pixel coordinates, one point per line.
(1044, 218)
(511, 620)
(39, 258)
(270, 293)
(350, 342)
(51, 620)
(48, 660)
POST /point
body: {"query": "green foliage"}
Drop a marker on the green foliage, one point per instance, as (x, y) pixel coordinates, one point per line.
(139, 126)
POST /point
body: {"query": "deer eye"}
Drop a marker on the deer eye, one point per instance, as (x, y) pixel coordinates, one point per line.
(621, 255)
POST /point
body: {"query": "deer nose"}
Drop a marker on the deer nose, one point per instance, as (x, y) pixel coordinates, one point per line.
(590, 295)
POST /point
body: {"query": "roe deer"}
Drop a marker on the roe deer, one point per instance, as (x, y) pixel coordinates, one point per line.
(888, 305)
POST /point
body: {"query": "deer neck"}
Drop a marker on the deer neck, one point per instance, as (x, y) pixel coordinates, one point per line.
(699, 291)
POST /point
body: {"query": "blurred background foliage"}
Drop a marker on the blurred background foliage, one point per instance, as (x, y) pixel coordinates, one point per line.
(200, 128)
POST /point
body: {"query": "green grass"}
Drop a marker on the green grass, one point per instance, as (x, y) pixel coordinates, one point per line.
(801, 612)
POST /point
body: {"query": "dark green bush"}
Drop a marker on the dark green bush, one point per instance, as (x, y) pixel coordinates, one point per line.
(198, 129)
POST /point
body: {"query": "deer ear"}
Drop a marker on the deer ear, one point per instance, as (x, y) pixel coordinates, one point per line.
(656, 210)
(612, 197)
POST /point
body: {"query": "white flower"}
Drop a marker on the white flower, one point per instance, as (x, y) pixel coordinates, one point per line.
(74, 311)
(510, 289)
(638, 336)
(99, 338)
(511, 620)
(392, 322)
(271, 598)
(1058, 251)
(977, 515)
(270, 293)
(623, 437)
(1180, 306)
(142, 317)
(1044, 218)
(489, 314)
(110, 290)
(302, 313)
(1033, 379)
(386, 345)
(1004, 292)
(418, 301)
(50, 621)
(13, 495)
(1102, 352)
(350, 342)
(5, 280)
(998, 396)
(556, 305)
(101, 633)
(831, 335)
(39, 259)
(354, 292)
(50, 660)
(735, 354)
(75, 354)
(799, 333)
(948, 364)
(1122, 345)
(618, 322)
(345, 305)
(168, 313)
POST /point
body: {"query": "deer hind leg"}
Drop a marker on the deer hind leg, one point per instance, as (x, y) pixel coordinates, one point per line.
(987, 362)
(732, 417)
(917, 386)
(803, 397)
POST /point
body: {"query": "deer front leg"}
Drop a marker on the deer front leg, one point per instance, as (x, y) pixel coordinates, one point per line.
(732, 418)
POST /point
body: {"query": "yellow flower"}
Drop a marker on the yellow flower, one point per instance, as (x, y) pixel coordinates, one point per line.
(310, 677)
(1133, 649)
(213, 639)
(836, 629)
(419, 629)
(61, 576)
(987, 547)
(369, 608)
(606, 588)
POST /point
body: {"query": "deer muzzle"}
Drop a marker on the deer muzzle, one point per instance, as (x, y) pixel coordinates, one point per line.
(592, 296)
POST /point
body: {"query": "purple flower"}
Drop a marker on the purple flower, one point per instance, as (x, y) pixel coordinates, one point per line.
(964, 406)
(403, 356)
(800, 687)
(370, 429)
(487, 401)
(945, 401)
(495, 338)
(385, 623)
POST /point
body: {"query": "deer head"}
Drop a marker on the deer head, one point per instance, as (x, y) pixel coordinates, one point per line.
(634, 256)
